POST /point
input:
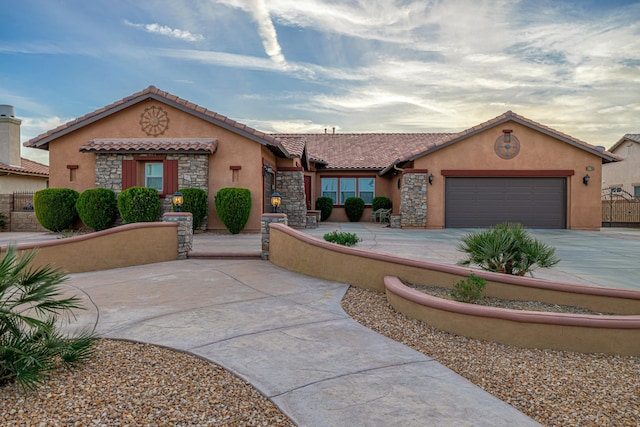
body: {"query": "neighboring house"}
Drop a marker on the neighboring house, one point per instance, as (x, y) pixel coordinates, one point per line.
(624, 176)
(506, 169)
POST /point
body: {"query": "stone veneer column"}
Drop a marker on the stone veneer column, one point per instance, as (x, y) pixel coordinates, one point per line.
(264, 228)
(413, 198)
(290, 185)
(185, 231)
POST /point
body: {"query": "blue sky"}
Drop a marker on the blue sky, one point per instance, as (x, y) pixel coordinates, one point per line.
(307, 65)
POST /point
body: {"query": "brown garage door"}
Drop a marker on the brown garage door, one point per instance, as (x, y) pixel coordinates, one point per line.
(484, 202)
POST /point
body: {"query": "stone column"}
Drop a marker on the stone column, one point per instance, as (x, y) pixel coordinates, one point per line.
(185, 231)
(290, 185)
(264, 228)
(395, 221)
(413, 198)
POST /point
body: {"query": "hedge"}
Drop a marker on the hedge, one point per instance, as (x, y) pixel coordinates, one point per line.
(233, 206)
(195, 201)
(55, 208)
(97, 208)
(139, 204)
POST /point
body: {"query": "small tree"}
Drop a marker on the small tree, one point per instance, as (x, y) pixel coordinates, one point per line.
(381, 202)
(469, 290)
(55, 208)
(354, 206)
(325, 206)
(195, 201)
(97, 208)
(233, 206)
(139, 204)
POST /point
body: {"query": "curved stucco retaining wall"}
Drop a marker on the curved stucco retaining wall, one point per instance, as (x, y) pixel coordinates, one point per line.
(123, 246)
(617, 334)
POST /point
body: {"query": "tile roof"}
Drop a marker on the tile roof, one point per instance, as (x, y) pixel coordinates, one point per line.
(635, 137)
(174, 145)
(27, 167)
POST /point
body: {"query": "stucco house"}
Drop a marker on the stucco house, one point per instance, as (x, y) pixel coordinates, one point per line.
(624, 176)
(509, 168)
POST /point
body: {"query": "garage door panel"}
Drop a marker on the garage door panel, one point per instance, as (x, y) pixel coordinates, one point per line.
(487, 201)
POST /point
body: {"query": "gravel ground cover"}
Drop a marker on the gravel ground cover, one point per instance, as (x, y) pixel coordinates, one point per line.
(556, 388)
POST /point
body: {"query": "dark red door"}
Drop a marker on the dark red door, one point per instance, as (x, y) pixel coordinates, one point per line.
(307, 191)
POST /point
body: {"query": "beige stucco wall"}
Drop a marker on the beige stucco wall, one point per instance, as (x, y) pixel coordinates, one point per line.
(538, 152)
(12, 183)
(625, 174)
(233, 150)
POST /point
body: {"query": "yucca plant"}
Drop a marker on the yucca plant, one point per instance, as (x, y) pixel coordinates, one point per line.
(31, 307)
(506, 248)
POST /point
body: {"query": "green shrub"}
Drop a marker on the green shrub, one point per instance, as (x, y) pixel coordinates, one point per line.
(195, 201)
(506, 248)
(2, 222)
(342, 238)
(353, 207)
(139, 204)
(55, 208)
(233, 206)
(381, 202)
(325, 206)
(469, 290)
(31, 308)
(97, 208)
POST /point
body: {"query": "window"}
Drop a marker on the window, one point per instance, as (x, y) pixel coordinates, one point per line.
(153, 176)
(348, 187)
(636, 191)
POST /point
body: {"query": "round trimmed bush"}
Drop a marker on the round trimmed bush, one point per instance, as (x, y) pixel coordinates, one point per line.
(233, 206)
(97, 208)
(195, 201)
(139, 204)
(325, 206)
(353, 207)
(55, 208)
(381, 202)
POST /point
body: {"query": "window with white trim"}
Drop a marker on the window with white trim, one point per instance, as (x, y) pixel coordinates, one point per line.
(340, 189)
(153, 176)
(636, 191)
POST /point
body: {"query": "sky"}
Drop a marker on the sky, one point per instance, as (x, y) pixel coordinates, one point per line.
(303, 66)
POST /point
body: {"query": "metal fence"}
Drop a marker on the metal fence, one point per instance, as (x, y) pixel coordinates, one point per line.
(22, 201)
(620, 209)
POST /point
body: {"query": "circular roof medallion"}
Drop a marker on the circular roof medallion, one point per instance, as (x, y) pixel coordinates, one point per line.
(507, 146)
(154, 121)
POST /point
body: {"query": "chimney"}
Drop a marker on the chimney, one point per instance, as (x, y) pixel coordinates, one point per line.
(9, 137)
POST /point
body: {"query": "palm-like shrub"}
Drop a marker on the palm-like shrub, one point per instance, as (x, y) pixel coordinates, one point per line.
(353, 207)
(97, 208)
(195, 201)
(381, 202)
(55, 208)
(325, 206)
(342, 238)
(139, 204)
(506, 248)
(233, 206)
(31, 302)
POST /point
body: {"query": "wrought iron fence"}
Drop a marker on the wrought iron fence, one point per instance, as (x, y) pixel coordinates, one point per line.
(620, 208)
(22, 201)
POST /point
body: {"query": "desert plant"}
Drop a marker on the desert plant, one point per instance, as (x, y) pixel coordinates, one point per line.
(31, 304)
(325, 206)
(233, 206)
(195, 201)
(342, 238)
(469, 290)
(353, 207)
(139, 204)
(381, 202)
(97, 208)
(55, 208)
(506, 248)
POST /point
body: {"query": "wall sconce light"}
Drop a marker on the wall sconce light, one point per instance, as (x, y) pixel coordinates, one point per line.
(177, 200)
(431, 179)
(276, 200)
(585, 179)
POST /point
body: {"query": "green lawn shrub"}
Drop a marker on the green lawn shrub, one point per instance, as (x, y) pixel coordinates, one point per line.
(55, 208)
(195, 201)
(342, 238)
(97, 208)
(381, 202)
(325, 206)
(469, 290)
(233, 206)
(139, 204)
(353, 207)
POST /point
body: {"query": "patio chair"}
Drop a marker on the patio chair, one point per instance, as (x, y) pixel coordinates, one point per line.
(375, 215)
(384, 215)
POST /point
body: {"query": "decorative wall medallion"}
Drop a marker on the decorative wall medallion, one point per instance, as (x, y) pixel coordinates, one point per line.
(154, 121)
(507, 145)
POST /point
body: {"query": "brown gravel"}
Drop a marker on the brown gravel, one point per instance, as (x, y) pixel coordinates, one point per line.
(556, 388)
(130, 384)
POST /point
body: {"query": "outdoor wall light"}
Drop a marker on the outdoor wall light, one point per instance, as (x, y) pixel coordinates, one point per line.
(585, 179)
(177, 200)
(431, 179)
(268, 169)
(276, 200)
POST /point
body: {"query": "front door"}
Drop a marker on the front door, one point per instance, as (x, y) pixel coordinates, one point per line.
(269, 188)
(307, 191)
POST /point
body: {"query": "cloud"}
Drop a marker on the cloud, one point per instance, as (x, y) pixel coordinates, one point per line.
(167, 31)
(267, 31)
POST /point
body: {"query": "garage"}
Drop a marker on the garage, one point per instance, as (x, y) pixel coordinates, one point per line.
(473, 202)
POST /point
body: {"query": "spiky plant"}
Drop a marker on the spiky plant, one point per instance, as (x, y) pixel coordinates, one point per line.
(31, 307)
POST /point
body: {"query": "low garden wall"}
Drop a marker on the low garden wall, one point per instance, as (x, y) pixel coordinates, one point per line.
(307, 255)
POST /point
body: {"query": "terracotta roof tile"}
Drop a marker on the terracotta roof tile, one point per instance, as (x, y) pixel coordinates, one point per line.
(131, 145)
(635, 137)
(27, 167)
